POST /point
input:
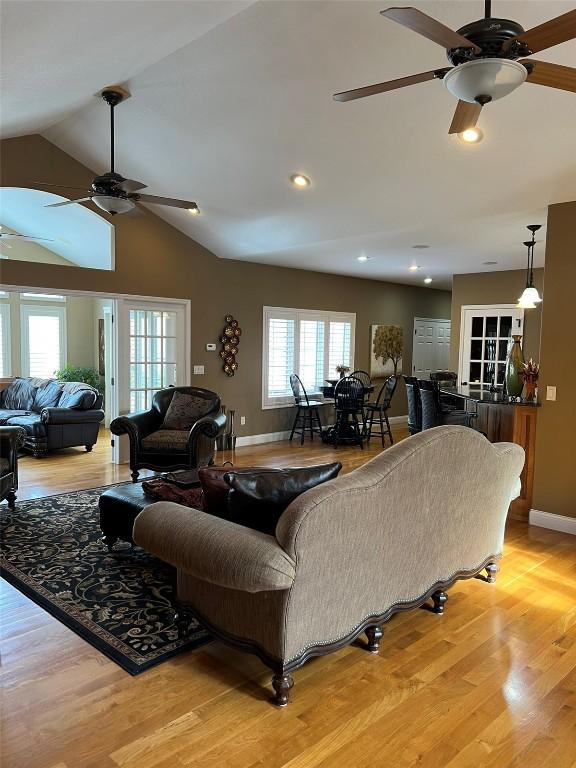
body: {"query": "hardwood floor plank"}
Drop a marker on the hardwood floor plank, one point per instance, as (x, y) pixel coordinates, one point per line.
(490, 684)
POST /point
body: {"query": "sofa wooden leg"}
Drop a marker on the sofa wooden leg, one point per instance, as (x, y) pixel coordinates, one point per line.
(11, 499)
(374, 635)
(439, 598)
(135, 475)
(282, 685)
(491, 572)
(88, 448)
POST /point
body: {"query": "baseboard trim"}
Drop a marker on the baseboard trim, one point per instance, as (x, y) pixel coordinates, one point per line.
(274, 437)
(552, 521)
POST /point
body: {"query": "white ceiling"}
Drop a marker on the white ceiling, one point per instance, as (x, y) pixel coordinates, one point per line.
(236, 96)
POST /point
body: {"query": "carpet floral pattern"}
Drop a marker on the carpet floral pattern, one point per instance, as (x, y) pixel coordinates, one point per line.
(119, 602)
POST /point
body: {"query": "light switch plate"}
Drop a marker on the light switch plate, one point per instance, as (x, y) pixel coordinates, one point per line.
(210, 347)
(242, 420)
(550, 393)
(198, 369)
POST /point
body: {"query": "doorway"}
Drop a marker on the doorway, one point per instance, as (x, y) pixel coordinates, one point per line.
(431, 348)
(485, 334)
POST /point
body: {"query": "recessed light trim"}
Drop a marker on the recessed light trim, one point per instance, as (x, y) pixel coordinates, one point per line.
(300, 181)
(364, 258)
(471, 135)
(420, 247)
(489, 263)
(194, 210)
(427, 280)
(413, 268)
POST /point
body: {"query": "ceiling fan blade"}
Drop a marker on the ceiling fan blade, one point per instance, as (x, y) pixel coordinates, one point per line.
(68, 202)
(465, 116)
(552, 75)
(428, 27)
(59, 186)
(163, 201)
(546, 35)
(129, 185)
(390, 85)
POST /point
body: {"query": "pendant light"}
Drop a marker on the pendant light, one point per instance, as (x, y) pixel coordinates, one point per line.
(530, 296)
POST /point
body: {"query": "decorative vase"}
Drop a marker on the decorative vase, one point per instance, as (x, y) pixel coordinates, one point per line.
(230, 435)
(514, 363)
(529, 390)
(221, 439)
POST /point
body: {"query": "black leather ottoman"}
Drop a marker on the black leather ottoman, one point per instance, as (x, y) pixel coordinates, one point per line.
(119, 507)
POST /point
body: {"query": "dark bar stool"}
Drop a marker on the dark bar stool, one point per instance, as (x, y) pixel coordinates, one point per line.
(364, 377)
(414, 405)
(348, 403)
(381, 407)
(446, 379)
(432, 413)
(307, 413)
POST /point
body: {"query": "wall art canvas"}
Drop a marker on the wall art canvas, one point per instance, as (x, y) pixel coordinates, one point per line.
(386, 347)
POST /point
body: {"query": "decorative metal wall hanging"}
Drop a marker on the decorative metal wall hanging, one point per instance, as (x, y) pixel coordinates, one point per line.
(230, 339)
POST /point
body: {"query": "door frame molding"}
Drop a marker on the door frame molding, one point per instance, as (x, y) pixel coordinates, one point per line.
(463, 309)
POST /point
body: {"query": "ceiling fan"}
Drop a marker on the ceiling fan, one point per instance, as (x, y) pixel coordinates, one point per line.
(486, 55)
(111, 191)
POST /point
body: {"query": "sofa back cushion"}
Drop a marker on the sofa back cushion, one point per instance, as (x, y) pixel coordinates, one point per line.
(47, 395)
(77, 395)
(258, 497)
(215, 489)
(19, 395)
(185, 410)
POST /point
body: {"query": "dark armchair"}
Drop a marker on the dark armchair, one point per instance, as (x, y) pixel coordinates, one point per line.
(178, 432)
(11, 439)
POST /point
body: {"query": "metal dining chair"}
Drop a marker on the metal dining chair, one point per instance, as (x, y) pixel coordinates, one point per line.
(307, 413)
(348, 404)
(380, 408)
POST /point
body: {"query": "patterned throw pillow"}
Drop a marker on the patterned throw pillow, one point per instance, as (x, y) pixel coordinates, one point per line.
(184, 411)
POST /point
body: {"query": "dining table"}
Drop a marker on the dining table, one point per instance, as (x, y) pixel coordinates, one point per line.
(345, 434)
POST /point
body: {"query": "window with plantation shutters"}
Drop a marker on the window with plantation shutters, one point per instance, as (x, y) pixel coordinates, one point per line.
(43, 333)
(307, 342)
(5, 340)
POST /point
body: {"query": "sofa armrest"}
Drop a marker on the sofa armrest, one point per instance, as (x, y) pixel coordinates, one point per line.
(11, 438)
(202, 436)
(212, 549)
(71, 416)
(136, 425)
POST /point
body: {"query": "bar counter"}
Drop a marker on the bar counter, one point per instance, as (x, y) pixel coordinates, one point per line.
(504, 421)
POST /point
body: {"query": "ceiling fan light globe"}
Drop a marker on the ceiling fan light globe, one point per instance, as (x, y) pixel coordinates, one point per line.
(112, 204)
(487, 79)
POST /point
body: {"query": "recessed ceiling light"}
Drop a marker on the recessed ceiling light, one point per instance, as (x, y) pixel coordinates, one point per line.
(364, 258)
(300, 181)
(413, 268)
(427, 280)
(195, 211)
(420, 247)
(471, 135)
(489, 263)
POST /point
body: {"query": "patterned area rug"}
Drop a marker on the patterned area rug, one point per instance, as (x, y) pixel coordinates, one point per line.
(120, 603)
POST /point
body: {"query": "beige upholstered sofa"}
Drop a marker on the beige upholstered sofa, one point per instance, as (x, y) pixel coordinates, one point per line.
(347, 554)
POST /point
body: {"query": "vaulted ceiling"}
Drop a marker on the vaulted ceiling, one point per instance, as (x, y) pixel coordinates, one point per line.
(230, 98)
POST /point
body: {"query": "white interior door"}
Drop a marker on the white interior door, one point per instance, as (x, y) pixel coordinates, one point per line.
(485, 335)
(153, 343)
(431, 349)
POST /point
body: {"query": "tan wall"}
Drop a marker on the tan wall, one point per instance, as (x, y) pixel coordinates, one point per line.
(495, 288)
(154, 259)
(554, 482)
(79, 329)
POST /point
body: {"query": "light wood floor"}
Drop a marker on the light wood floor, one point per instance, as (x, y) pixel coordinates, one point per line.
(490, 684)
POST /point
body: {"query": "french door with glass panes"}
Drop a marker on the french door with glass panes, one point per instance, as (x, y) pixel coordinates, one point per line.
(486, 334)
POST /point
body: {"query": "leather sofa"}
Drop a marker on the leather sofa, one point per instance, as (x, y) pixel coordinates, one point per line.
(11, 439)
(155, 446)
(346, 555)
(54, 414)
